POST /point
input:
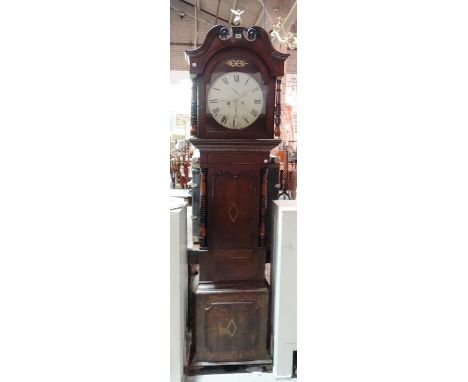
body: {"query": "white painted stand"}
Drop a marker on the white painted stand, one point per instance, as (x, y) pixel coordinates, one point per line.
(284, 287)
(178, 281)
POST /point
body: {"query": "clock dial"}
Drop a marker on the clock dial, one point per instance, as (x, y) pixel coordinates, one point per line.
(235, 100)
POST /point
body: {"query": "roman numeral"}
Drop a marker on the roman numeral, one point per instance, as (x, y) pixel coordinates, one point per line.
(246, 120)
(236, 78)
(216, 89)
(234, 122)
(247, 81)
(213, 100)
(254, 112)
(224, 119)
(257, 101)
(225, 80)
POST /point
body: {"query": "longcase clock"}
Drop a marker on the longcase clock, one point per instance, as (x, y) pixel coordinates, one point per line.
(236, 76)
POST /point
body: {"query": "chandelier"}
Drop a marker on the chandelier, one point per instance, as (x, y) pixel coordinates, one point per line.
(278, 32)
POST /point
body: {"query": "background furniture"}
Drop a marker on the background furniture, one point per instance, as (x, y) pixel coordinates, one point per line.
(178, 281)
(284, 287)
(180, 165)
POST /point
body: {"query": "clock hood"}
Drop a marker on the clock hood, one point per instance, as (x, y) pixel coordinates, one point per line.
(221, 37)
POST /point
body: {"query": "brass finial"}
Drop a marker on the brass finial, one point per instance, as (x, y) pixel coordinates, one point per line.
(237, 19)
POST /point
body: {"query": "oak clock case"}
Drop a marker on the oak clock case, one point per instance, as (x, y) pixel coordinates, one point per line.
(235, 115)
(234, 70)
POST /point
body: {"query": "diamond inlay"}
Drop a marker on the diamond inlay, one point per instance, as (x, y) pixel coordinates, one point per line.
(233, 212)
(232, 328)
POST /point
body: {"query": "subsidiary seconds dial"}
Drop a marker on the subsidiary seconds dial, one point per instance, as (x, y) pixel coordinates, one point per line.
(235, 100)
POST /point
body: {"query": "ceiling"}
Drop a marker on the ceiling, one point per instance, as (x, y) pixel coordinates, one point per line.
(256, 12)
(187, 34)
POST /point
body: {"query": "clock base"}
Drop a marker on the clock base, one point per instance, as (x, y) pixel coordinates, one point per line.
(210, 367)
(230, 324)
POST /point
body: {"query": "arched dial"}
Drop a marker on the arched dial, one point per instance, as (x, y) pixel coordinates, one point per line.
(235, 100)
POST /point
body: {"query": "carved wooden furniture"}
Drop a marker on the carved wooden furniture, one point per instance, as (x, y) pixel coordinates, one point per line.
(174, 169)
(180, 166)
(288, 171)
(235, 119)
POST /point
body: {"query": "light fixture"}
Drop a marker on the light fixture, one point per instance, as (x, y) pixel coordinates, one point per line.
(278, 32)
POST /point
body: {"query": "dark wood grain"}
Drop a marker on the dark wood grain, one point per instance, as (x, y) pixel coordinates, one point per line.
(262, 46)
(210, 60)
(203, 209)
(229, 296)
(194, 107)
(278, 108)
(263, 206)
(230, 324)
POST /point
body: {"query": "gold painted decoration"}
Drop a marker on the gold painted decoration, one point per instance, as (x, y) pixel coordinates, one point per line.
(236, 63)
(233, 211)
(232, 328)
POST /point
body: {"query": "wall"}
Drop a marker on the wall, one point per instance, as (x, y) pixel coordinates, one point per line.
(182, 38)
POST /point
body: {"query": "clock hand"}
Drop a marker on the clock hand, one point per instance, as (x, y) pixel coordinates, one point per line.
(246, 110)
(235, 112)
(247, 92)
(235, 91)
(244, 106)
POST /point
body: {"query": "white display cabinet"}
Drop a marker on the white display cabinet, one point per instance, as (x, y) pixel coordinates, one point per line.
(284, 287)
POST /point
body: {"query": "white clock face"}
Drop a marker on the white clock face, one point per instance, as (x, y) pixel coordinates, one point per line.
(235, 100)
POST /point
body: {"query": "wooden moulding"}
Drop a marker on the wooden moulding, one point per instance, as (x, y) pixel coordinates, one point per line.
(238, 50)
(213, 44)
(227, 287)
(235, 145)
(263, 206)
(278, 108)
(194, 108)
(197, 365)
(203, 209)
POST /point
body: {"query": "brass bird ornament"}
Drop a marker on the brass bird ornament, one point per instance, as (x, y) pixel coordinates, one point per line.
(237, 13)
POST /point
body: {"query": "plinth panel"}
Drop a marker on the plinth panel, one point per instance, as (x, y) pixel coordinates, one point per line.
(227, 325)
(230, 325)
